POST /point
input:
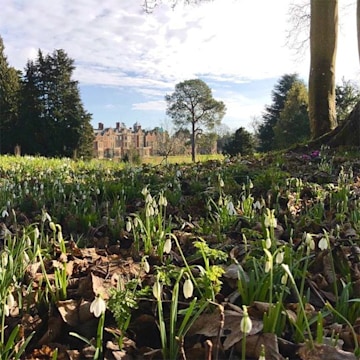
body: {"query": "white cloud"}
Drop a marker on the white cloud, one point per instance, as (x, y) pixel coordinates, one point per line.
(150, 105)
(114, 43)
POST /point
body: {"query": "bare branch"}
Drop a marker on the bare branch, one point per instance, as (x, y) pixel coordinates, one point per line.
(298, 35)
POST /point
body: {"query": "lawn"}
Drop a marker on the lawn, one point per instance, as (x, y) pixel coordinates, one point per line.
(244, 258)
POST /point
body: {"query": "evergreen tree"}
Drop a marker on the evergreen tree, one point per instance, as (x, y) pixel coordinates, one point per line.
(9, 102)
(52, 110)
(272, 113)
(347, 96)
(241, 143)
(293, 125)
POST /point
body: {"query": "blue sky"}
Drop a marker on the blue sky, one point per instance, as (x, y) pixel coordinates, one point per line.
(127, 61)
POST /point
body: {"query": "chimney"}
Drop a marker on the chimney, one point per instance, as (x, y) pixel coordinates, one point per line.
(117, 126)
(101, 126)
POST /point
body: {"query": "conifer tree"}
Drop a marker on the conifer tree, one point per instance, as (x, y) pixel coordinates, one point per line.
(52, 109)
(9, 95)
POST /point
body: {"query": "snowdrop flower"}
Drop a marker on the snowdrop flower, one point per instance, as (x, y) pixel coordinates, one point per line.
(269, 261)
(221, 183)
(4, 258)
(268, 266)
(270, 219)
(148, 198)
(167, 246)
(10, 300)
(245, 323)
(279, 257)
(231, 208)
(128, 225)
(157, 289)
(146, 265)
(257, 205)
(52, 226)
(323, 244)
(6, 310)
(162, 200)
(4, 213)
(309, 241)
(284, 279)
(36, 232)
(188, 288)
(144, 191)
(98, 306)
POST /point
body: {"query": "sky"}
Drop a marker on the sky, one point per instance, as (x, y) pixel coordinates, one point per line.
(127, 60)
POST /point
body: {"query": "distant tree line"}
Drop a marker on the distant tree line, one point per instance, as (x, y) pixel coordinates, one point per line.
(41, 112)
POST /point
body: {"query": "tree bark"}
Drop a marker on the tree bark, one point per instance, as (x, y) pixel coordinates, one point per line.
(358, 25)
(323, 44)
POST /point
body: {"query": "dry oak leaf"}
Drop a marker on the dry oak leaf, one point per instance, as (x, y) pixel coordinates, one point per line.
(324, 352)
(210, 324)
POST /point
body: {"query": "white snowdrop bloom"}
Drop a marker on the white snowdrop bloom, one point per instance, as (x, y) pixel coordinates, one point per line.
(162, 200)
(221, 183)
(148, 211)
(284, 279)
(144, 191)
(45, 217)
(188, 288)
(36, 232)
(323, 244)
(245, 323)
(128, 225)
(268, 266)
(157, 289)
(257, 205)
(251, 185)
(146, 265)
(98, 306)
(52, 226)
(148, 198)
(4, 213)
(309, 241)
(152, 211)
(10, 300)
(270, 219)
(178, 173)
(231, 208)
(279, 257)
(4, 258)
(167, 246)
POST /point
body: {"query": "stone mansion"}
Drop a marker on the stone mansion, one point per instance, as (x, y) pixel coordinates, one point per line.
(115, 143)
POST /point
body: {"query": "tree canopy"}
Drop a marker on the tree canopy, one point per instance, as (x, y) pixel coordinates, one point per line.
(293, 124)
(9, 102)
(240, 143)
(272, 112)
(51, 109)
(192, 104)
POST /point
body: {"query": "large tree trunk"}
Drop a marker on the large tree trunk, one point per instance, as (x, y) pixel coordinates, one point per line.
(358, 25)
(323, 43)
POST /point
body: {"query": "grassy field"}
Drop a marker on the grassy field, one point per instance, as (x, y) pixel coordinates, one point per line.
(103, 259)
